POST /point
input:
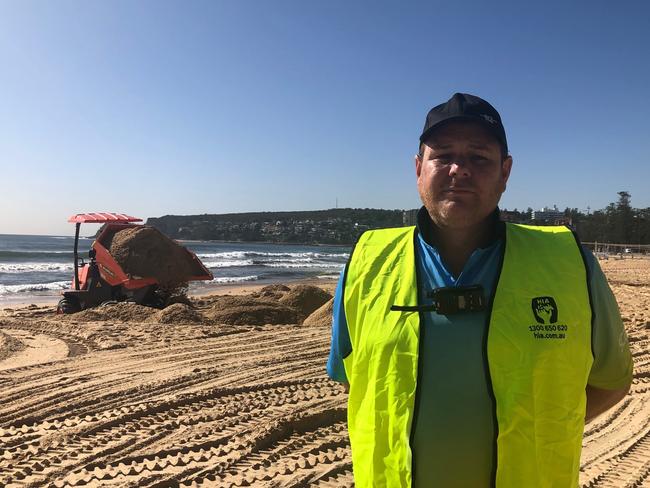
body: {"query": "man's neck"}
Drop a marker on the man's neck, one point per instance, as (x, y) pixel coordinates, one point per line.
(456, 245)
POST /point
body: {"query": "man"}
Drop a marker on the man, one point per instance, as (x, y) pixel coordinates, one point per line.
(473, 350)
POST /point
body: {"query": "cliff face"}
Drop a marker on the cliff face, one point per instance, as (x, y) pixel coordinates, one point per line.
(334, 226)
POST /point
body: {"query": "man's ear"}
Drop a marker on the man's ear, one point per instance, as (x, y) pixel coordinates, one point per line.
(418, 165)
(506, 166)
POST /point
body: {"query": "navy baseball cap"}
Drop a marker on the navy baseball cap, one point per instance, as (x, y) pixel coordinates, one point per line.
(462, 106)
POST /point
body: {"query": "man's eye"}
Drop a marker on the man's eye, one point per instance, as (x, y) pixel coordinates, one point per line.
(442, 159)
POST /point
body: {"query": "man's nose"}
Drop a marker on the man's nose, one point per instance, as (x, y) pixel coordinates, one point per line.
(459, 169)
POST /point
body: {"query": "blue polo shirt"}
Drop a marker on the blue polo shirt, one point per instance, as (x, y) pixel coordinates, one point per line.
(454, 431)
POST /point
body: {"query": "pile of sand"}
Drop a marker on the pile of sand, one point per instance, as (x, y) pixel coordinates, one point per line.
(273, 304)
(249, 310)
(275, 291)
(9, 345)
(146, 252)
(305, 299)
(321, 317)
(178, 313)
(119, 312)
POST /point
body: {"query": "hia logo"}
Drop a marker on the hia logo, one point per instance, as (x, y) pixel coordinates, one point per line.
(544, 310)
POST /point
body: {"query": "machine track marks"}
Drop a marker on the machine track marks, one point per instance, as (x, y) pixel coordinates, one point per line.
(616, 445)
(200, 412)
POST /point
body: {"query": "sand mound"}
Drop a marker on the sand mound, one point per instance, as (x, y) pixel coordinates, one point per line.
(178, 313)
(275, 292)
(305, 298)
(321, 317)
(146, 252)
(249, 310)
(9, 345)
(122, 312)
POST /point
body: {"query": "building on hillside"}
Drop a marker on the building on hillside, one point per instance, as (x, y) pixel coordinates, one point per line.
(409, 217)
(549, 215)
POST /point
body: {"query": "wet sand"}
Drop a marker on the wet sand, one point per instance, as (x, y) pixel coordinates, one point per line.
(115, 402)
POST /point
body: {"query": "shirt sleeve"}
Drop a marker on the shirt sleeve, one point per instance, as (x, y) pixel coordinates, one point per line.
(612, 367)
(341, 346)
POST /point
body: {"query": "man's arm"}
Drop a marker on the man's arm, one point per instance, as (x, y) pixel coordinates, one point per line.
(611, 374)
(600, 400)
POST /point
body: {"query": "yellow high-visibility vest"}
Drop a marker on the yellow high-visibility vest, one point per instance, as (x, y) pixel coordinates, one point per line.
(537, 347)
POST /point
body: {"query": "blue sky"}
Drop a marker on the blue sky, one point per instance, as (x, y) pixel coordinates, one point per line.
(154, 108)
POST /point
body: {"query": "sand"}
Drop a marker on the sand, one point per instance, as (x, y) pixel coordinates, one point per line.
(145, 252)
(243, 310)
(306, 299)
(322, 317)
(177, 398)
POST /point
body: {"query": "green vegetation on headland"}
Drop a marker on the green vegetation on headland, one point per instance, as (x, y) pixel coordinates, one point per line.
(334, 226)
(617, 223)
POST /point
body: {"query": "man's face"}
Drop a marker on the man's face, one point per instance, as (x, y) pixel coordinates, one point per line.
(461, 175)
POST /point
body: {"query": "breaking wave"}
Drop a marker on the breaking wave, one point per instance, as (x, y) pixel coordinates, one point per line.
(233, 279)
(34, 287)
(303, 265)
(286, 260)
(34, 267)
(286, 255)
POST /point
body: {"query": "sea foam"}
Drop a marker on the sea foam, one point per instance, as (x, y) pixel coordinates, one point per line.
(34, 267)
(233, 279)
(31, 287)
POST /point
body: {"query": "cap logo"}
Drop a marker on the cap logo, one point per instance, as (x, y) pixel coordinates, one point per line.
(489, 119)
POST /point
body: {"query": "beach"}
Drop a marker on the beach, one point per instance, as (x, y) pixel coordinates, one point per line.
(36, 269)
(186, 397)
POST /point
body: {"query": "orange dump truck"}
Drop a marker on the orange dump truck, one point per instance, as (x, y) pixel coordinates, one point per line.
(102, 278)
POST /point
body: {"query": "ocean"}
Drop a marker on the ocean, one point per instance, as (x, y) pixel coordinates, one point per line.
(38, 268)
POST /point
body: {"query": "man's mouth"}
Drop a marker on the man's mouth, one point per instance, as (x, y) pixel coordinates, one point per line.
(459, 190)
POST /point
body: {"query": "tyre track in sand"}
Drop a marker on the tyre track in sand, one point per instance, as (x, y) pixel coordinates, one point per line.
(616, 445)
(108, 424)
(617, 449)
(84, 394)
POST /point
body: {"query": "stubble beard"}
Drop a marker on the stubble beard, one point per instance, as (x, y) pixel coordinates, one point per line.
(456, 214)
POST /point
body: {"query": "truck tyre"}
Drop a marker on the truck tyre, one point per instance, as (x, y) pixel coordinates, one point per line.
(68, 305)
(154, 297)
